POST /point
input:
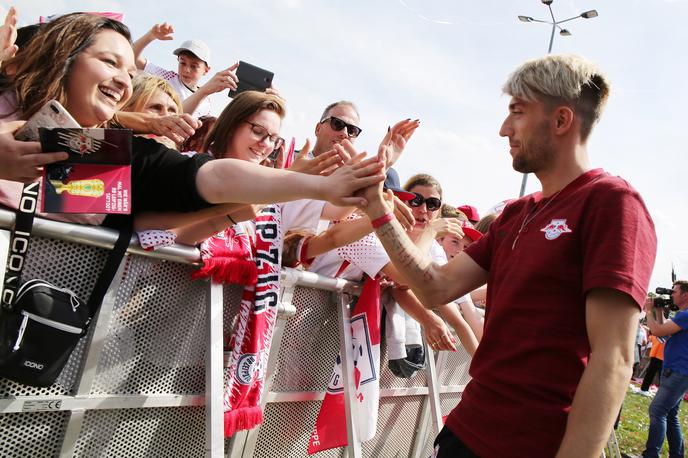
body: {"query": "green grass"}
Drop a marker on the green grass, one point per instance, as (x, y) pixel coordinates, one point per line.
(634, 424)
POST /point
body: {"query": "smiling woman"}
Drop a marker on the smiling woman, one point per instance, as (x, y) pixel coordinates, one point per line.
(248, 128)
(91, 73)
(86, 62)
(100, 81)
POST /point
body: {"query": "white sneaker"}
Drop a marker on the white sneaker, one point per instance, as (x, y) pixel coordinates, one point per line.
(646, 393)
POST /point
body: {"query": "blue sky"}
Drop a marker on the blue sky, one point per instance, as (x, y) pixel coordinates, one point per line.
(444, 62)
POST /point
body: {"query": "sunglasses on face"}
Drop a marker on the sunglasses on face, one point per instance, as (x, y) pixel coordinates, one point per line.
(431, 203)
(262, 133)
(337, 124)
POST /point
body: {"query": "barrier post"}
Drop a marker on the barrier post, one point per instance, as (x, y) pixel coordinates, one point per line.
(214, 412)
(345, 349)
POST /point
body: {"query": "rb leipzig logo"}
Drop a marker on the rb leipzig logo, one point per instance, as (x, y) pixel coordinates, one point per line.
(555, 228)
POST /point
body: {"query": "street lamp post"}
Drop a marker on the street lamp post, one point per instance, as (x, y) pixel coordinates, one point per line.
(563, 32)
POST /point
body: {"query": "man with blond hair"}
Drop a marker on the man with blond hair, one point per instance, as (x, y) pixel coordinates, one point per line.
(567, 269)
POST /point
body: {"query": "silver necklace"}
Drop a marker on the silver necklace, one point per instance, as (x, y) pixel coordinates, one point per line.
(528, 218)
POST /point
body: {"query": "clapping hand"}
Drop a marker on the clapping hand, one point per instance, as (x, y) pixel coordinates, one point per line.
(356, 174)
(394, 142)
(323, 164)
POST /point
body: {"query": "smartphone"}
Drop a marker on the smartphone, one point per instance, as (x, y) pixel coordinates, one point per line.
(274, 155)
(51, 115)
(251, 78)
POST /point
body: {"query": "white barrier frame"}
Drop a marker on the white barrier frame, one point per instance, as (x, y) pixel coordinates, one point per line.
(245, 442)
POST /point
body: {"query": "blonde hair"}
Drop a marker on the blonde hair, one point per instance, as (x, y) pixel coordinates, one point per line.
(143, 88)
(562, 79)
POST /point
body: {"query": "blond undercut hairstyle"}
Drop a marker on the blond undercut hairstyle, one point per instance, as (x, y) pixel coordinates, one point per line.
(562, 79)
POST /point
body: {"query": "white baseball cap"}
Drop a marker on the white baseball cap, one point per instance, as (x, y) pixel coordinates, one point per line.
(195, 47)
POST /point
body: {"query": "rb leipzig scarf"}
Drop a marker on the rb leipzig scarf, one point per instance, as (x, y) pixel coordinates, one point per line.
(227, 256)
(330, 427)
(252, 336)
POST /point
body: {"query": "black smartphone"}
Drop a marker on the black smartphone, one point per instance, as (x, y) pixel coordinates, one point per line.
(251, 78)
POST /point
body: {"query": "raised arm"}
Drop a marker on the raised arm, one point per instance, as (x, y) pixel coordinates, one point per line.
(450, 313)
(433, 284)
(226, 79)
(611, 321)
(175, 127)
(232, 180)
(8, 35)
(162, 31)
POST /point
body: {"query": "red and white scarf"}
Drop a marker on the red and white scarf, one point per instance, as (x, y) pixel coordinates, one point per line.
(249, 345)
(330, 426)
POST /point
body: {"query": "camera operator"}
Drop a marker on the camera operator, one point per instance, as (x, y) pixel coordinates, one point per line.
(674, 378)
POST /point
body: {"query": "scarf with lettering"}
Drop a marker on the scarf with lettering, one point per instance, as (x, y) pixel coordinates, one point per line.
(246, 354)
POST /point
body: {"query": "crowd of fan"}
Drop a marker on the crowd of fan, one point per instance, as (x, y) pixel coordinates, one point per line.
(234, 166)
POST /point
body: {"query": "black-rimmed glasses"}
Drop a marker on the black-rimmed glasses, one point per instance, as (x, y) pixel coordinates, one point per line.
(262, 133)
(431, 203)
(337, 124)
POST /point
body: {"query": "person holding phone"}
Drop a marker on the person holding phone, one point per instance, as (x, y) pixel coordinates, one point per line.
(93, 63)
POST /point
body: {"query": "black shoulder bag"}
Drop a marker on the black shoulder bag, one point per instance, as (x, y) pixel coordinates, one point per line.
(40, 323)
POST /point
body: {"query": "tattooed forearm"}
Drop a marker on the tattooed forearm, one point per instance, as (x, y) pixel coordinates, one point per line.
(405, 255)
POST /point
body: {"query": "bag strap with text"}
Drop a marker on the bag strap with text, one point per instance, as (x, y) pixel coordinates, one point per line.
(19, 246)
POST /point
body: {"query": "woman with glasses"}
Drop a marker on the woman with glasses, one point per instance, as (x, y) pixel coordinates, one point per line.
(92, 63)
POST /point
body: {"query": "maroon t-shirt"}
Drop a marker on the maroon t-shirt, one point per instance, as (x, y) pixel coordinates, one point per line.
(596, 233)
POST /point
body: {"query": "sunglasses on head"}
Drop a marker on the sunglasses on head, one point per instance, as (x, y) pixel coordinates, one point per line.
(431, 203)
(337, 124)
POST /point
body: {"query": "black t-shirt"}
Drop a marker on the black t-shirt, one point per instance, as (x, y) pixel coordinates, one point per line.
(162, 179)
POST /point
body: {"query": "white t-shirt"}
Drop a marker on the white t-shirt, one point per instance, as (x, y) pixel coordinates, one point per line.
(301, 214)
(366, 255)
(182, 89)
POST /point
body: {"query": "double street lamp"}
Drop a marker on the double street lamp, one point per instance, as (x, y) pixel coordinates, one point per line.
(563, 32)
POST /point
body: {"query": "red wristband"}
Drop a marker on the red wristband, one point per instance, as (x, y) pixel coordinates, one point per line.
(381, 221)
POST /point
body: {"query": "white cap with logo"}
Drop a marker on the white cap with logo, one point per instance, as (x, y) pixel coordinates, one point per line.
(197, 48)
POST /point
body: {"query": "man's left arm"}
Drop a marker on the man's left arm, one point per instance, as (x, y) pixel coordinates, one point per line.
(611, 322)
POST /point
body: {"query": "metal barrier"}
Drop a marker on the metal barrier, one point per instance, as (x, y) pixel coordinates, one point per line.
(147, 380)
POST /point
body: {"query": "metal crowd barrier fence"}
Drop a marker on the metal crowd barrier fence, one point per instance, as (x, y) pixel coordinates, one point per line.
(147, 380)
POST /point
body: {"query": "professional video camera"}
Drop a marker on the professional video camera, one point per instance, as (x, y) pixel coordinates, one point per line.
(664, 302)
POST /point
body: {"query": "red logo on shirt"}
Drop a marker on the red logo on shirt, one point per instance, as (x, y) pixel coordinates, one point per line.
(555, 228)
